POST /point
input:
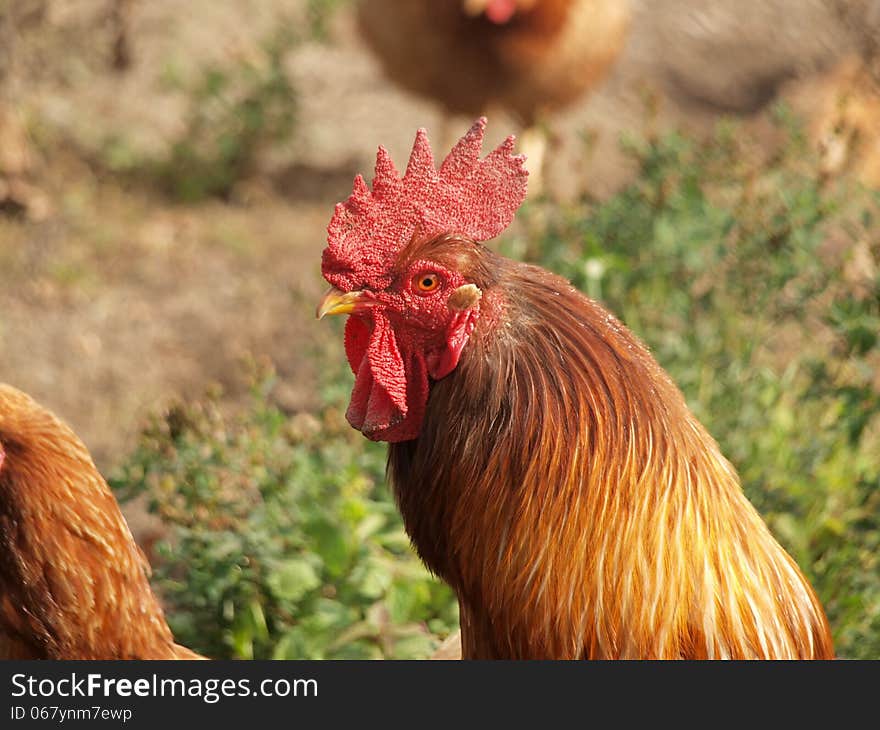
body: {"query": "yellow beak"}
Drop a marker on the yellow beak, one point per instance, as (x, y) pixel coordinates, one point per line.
(336, 301)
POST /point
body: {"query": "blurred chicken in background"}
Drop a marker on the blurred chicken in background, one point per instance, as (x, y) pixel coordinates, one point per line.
(528, 58)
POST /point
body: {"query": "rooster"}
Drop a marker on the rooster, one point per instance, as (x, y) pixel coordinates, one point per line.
(527, 57)
(545, 465)
(73, 583)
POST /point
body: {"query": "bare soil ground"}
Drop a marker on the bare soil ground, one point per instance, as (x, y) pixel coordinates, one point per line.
(118, 300)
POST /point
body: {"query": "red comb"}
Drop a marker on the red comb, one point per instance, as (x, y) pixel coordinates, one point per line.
(473, 197)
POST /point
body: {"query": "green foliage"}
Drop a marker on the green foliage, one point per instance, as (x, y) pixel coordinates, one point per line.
(284, 541)
(757, 289)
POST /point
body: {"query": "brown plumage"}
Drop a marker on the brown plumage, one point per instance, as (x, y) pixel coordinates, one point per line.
(564, 490)
(73, 583)
(544, 56)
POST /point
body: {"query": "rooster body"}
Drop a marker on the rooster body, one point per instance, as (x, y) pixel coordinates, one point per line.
(564, 490)
(545, 465)
(74, 583)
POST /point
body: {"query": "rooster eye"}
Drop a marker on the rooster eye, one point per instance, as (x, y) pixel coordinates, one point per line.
(426, 283)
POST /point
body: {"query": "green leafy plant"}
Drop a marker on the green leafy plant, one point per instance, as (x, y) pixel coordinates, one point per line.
(284, 542)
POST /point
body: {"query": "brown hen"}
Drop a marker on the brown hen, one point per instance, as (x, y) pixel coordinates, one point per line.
(543, 55)
(73, 583)
(528, 58)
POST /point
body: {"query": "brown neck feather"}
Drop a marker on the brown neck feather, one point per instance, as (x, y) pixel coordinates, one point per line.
(565, 491)
(74, 583)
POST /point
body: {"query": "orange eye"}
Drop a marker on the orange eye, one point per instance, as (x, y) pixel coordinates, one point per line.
(426, 283)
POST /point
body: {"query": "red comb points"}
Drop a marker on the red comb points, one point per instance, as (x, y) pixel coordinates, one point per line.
(476, 198)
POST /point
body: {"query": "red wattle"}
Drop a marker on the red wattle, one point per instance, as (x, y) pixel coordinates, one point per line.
(379, 399)
(357, 339)
(370, 409)
(391, 387)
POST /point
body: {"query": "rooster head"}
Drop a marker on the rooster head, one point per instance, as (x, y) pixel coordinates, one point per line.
(400, 259)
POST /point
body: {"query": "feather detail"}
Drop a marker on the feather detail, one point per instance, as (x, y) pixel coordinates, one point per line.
(73, 583)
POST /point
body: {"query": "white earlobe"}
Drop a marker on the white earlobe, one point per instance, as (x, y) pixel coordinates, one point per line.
(465, 297)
